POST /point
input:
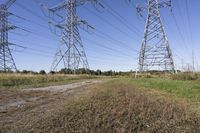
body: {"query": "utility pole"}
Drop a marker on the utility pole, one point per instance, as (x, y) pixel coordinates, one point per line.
(6, 60)
(71, 50)
(193, 62)
(197, 67)
(182, 62)
(155, 53)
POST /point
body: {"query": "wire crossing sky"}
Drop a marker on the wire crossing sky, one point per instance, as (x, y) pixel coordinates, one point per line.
(116, 40)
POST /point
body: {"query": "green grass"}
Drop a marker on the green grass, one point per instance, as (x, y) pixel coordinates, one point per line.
(117, 106)
(19, 81)
(182, 89)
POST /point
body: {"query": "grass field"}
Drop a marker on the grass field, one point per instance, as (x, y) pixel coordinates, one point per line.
(123, 105)
(178, 88)
(16, 81)
(185, 91)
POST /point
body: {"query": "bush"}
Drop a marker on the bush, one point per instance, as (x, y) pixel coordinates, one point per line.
(42, 72)
(52, 72)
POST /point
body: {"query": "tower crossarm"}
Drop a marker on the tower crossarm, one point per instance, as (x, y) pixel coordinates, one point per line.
(76, 3)
(5, 29)
(58, 7)
(95, 2)
(160, 4)
(9, 3)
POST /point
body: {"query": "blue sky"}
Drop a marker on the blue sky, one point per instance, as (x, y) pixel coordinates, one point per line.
(126, 39)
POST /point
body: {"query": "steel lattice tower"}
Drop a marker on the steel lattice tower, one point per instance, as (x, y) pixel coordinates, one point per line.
(6, 60)
(71, 40)
(71, 50)
(155, 53)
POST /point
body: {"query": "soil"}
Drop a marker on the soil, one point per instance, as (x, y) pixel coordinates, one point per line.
(28, 105)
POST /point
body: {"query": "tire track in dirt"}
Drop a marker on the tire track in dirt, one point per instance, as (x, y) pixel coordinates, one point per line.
(28, 105)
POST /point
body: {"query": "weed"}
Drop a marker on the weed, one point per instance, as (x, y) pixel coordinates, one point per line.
(30, 80)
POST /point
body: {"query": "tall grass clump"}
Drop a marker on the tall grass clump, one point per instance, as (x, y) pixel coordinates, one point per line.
(186, 76)
(20, 80)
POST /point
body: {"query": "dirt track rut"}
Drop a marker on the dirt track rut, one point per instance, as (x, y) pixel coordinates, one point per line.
(28, 105)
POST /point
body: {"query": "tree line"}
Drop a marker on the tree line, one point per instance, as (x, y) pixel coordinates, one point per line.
(79, 71)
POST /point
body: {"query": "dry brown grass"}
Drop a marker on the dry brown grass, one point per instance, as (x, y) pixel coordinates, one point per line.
(16, 81)
(117, 107)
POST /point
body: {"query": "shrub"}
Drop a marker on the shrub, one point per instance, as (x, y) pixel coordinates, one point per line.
(42, 72)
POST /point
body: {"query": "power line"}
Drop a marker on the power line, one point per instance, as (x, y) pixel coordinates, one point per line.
(37, 50)
(100, 45)
(34, 14)
(53, 39)
(117, 16)
(191, 35)
(30, 11)
(189, 22)
(95, 43)
(182, 18)
(48, 56)
(179, 30)
(33, 22)
(112, 40)
(34, 49)
(40, 35)
(33, 53)
(106, 21)
(108, 48)
(35, 44)
(47, 53)
(177, 26)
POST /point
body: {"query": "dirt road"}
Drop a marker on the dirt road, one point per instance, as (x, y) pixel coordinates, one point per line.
(24, 107)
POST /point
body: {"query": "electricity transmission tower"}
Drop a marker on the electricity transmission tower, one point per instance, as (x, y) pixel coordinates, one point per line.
(6, 60)
(70, 51)
(155, 53)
